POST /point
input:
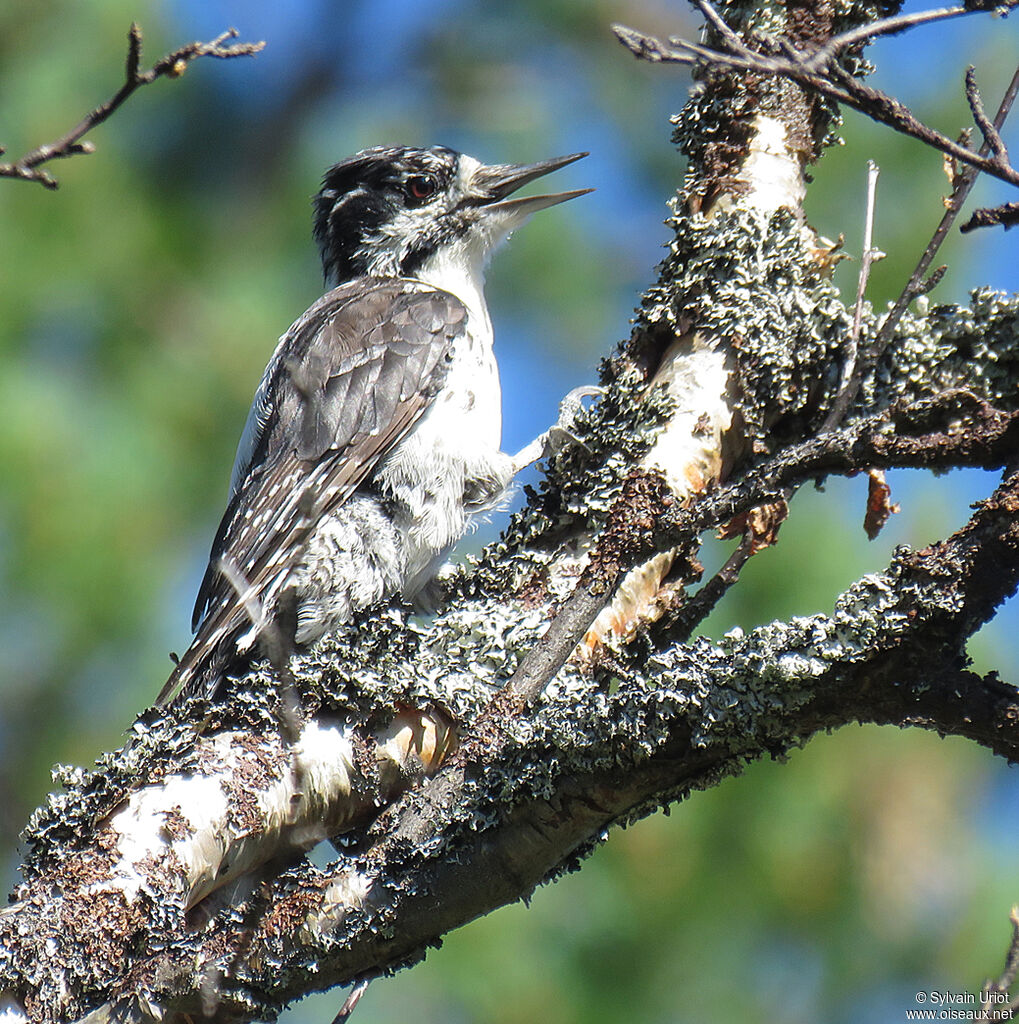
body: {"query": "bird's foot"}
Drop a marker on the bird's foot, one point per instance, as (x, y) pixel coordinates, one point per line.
(560, 435)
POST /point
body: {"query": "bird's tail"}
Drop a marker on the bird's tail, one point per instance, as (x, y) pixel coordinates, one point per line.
(214, 651)
(235, 630)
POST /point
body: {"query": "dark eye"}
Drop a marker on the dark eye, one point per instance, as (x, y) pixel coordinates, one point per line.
(421, 187)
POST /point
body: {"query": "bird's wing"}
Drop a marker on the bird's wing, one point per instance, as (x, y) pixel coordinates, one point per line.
(348, 380)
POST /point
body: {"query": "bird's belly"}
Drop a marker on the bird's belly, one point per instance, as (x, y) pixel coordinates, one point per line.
(396, 533)
(448, 469)
(436, 487)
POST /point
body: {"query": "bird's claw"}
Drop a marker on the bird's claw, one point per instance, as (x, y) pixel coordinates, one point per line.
(560, 435)
(573, 402)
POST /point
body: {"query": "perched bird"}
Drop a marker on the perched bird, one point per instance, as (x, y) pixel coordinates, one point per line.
(374, 436)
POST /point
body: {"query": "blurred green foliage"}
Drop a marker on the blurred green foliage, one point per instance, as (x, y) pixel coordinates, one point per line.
(139, 304)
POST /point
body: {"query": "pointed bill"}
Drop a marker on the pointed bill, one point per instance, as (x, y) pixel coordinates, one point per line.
(523, 206)
(492, 185)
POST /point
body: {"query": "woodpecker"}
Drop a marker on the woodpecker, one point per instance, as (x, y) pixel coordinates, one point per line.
(374, 436)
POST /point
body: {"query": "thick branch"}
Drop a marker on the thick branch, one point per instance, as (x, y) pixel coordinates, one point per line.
(889, 654)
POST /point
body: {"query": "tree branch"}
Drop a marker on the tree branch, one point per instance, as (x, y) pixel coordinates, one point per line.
(1006, 215)
(917, 285)
(173, 65)
(997, 1006)
(992, 438)
(817, 70)
(848, 378)
(587, 760)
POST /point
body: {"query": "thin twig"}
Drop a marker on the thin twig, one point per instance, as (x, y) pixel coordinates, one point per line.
(918, 283)
(998, 1007)
(173, 65)
(1005, 216)
(870, 254)
(817, 70)
(719, 24)
(357, 990)
(703, 603)
(884, 27)
(992, 137)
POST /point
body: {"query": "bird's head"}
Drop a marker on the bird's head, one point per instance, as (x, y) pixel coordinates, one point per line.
(389, 211)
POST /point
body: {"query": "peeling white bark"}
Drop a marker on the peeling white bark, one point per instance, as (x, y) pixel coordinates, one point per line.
(773, 170)
(688, 453)
(688, 450)
(203, 827)
(250, 799)
(197, 832)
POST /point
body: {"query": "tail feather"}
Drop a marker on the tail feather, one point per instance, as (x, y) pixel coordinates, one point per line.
(203, 665)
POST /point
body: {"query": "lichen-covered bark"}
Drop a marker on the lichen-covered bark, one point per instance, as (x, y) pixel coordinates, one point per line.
(553, 782)
(171, 879)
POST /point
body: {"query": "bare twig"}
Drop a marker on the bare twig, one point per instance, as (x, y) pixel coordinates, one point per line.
(703, 603)
(817, 70)
(992, 137)
(1006, 215)
(870, 254)
(719, 24)
(173, 65)
(848, 378)
(997, 1006)
(357, 990)
(884, 27)
(918, 283)
(759, 528)
(846, 391)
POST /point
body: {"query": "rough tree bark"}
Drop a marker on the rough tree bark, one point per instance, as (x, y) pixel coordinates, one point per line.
(469, 759)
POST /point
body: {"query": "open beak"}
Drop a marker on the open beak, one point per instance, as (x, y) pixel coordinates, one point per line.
(493, 183)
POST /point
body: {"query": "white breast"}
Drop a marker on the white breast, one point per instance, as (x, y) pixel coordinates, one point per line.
(471, 398)
(450, 466)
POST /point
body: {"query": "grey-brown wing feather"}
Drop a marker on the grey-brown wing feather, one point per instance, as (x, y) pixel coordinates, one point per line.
(346, 383)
